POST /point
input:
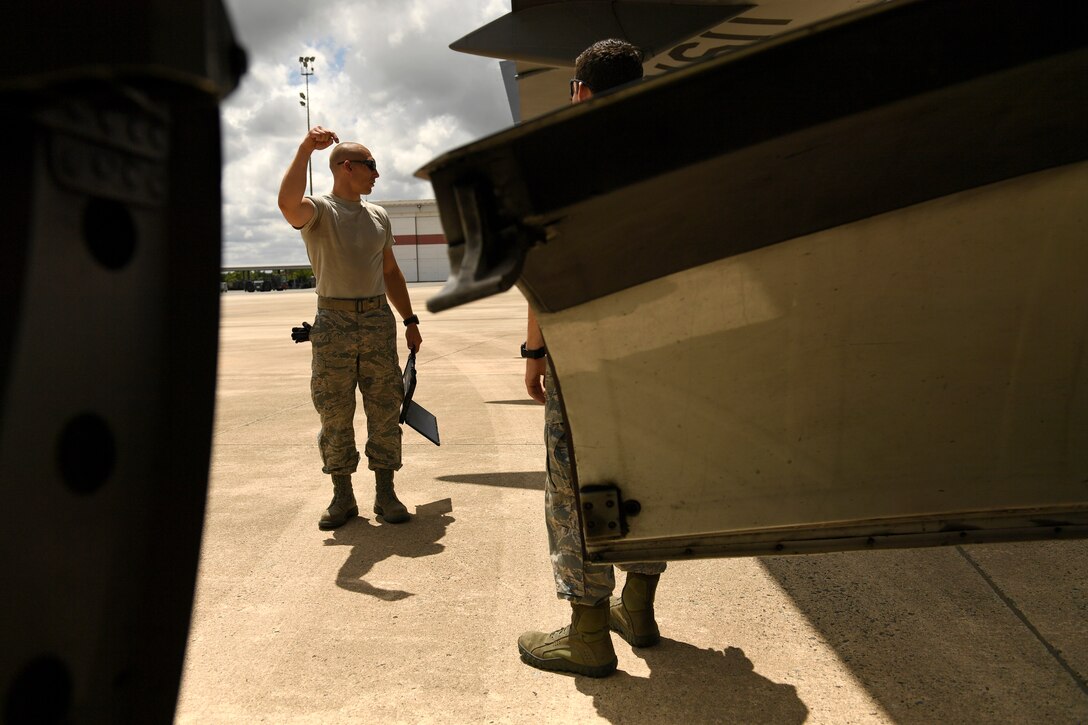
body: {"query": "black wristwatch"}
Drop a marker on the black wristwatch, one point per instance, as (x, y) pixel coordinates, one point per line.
(413, 320)
(533, 354)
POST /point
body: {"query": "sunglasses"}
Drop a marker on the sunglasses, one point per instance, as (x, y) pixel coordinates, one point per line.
(369, 163)
(574, 83)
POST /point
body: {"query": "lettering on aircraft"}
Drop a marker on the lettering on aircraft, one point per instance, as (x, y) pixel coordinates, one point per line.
(712, 43)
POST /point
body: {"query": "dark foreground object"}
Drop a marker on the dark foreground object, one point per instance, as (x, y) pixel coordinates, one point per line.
(107, 381)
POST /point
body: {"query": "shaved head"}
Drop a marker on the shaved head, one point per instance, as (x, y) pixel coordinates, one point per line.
(347, 150)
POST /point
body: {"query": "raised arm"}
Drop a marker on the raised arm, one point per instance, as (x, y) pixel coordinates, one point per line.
(294, 205)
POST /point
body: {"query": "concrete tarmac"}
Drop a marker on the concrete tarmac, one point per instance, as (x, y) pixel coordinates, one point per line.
(418, 622)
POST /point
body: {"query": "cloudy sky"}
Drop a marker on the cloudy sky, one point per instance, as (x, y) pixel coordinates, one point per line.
(384, 75)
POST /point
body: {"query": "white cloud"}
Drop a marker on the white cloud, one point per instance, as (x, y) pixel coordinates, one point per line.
(383, 75)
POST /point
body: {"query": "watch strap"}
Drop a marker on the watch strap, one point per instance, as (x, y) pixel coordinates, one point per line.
(533, 354)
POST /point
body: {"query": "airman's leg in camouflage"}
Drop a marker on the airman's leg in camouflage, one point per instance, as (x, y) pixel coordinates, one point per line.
(382, 387)
(576, 580)
(332, 387)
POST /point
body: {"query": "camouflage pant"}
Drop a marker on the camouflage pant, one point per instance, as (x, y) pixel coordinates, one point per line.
(576, 579)
(357, 349)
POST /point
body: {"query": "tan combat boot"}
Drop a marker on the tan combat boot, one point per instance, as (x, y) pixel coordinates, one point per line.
(343, 504)
(631, 615)
(584, 647)
(386, 503)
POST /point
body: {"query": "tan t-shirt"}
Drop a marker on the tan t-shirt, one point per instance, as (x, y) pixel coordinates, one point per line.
(346, 243)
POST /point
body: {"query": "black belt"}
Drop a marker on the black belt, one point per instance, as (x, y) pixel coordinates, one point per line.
(362, 304)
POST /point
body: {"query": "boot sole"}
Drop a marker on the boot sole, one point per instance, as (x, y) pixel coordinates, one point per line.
(558, 665)
(330, 525)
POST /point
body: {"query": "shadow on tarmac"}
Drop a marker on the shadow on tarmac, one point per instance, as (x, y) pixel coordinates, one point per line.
(931, 642)
(372, 542)
(687, 684)
(531, 480)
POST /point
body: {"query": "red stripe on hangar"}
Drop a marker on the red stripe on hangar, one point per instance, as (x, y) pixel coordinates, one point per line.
(420, 238)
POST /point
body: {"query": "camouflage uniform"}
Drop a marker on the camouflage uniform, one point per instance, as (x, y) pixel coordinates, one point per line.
(349, 349)
(576, 579)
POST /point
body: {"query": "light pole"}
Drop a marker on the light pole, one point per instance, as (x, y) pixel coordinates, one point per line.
(307, 71)
(419, 208)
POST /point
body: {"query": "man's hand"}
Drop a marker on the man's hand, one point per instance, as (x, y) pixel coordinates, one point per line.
(321, 138)
(413, 338)
(534, 378)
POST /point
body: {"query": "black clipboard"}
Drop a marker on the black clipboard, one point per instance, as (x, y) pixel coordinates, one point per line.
(416, 416)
